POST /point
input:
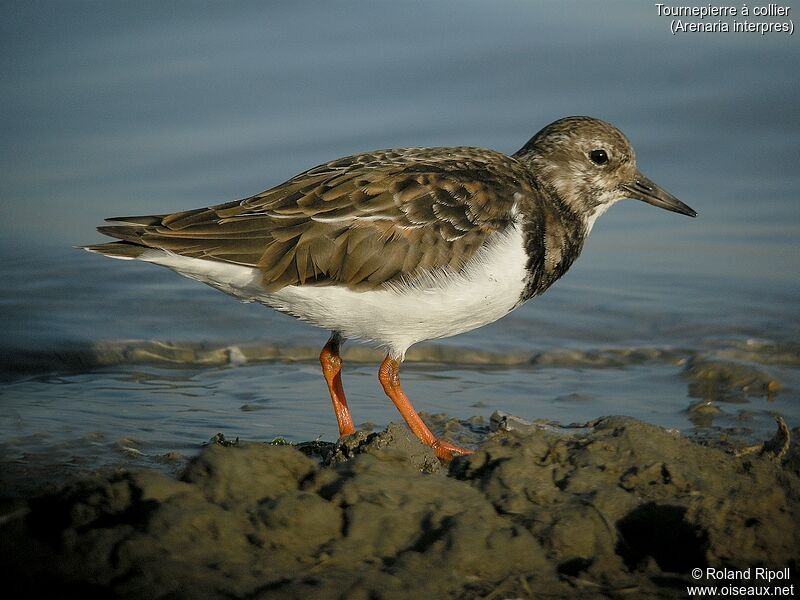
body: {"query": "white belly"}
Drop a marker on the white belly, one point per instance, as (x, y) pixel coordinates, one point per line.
(394, 317)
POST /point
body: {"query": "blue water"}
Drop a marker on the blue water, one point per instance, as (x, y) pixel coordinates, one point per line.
(113, 109)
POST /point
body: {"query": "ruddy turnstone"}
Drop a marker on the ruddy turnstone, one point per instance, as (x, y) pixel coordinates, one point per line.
(398, 246)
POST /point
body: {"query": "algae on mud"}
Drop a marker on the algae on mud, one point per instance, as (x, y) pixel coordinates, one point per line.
(617, 507)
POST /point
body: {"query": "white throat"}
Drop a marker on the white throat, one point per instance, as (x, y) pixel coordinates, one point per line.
(593, 216)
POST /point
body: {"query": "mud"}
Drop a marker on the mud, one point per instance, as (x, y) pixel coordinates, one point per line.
(728, 381)
(614, 508)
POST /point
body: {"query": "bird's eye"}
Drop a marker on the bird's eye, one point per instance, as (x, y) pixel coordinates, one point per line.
(599, 156)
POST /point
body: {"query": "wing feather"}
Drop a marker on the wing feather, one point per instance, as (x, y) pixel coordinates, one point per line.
(361, 221)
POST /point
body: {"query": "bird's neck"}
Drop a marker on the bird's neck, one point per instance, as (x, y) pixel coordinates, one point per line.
(553, 235)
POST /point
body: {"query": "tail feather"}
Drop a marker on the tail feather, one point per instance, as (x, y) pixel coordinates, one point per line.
(144, 220)
(121, 250)
(127, 233)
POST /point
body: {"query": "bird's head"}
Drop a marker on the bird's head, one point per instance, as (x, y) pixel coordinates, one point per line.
(591, 165)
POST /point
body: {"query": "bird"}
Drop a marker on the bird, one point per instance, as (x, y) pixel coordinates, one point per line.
(398, 246)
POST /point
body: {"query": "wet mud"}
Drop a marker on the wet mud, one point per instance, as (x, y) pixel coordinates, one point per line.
(614, 508)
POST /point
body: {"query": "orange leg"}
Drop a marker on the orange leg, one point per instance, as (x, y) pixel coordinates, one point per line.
(389, 376)
(332, 370)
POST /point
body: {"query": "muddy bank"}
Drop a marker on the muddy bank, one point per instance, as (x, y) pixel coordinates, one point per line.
(616, 508)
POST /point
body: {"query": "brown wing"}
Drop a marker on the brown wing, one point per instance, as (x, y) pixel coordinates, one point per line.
(361, 221)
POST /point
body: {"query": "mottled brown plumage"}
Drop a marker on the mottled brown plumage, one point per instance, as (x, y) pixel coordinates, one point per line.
(360, 221)
(380, 217)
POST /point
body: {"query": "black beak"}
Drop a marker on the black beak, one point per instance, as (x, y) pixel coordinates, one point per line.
(641, 188)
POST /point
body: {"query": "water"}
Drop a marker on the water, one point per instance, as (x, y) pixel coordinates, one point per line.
(112, 109)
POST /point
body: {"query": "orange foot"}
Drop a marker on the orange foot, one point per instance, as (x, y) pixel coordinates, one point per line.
(389, 376)
(446, 451)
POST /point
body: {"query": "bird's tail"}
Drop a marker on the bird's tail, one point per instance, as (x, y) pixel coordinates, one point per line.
(129, 231)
